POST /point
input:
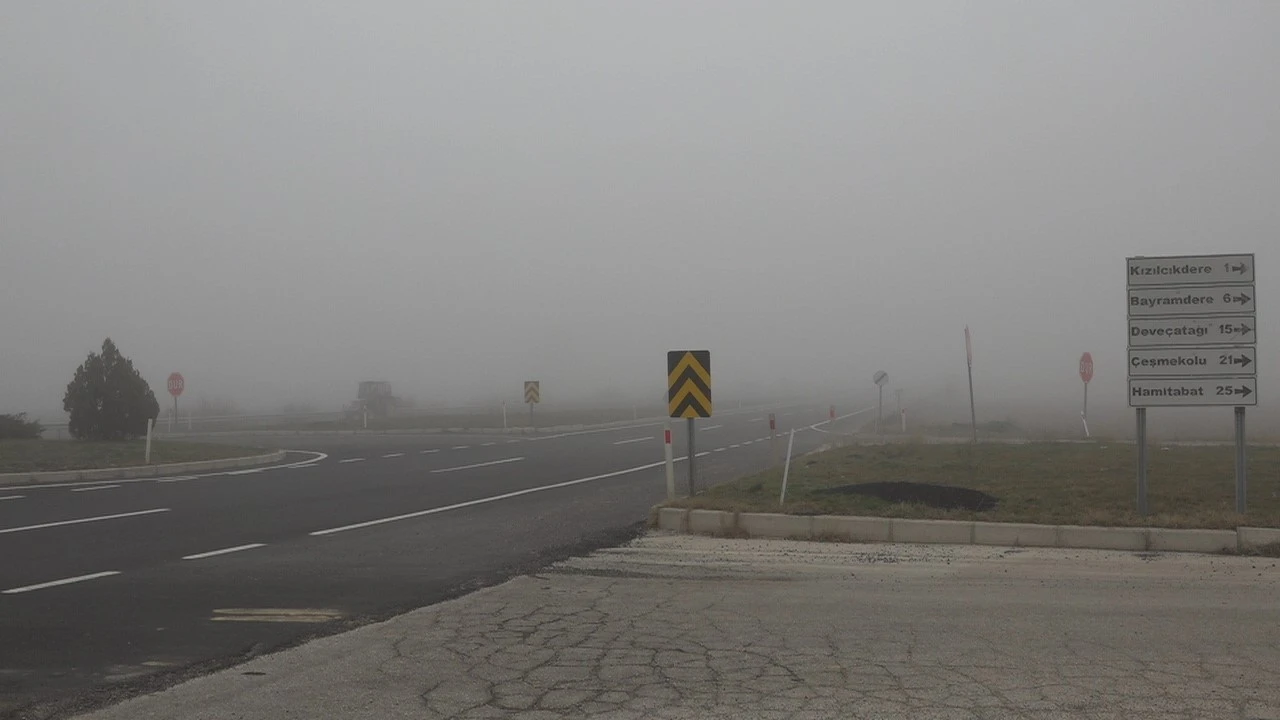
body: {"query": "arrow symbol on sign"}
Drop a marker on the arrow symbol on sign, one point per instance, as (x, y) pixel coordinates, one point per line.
(1244, 392)
(1242, 299)
(1245, 329)
(1242, 361)
(1239, 269)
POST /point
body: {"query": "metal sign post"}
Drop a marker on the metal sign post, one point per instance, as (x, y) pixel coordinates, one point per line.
(176, 384)
(1242, 473)
(973, 411)
(671, 470)
(773, 438)
(1192, 343)
(880, 378)
(1086, 374)
(693, 455)
(532, 396)
(1142, 461)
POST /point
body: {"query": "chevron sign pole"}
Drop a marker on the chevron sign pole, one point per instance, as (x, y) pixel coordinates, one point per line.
(689, 394)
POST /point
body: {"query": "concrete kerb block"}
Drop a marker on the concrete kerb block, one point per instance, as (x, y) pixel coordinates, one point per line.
(710, 521)
(776, 525)
(673, 519)
(1102, 538)
(852, 528)
(1015, 534)
(140, 471)
(1196, 541)
(952, 532)
(1251, 537)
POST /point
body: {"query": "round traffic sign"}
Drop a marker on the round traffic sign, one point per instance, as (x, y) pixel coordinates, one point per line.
(176, 384)
(881, 377)
(1086, 367)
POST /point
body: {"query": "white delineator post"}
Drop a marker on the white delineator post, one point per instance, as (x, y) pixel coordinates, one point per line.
(150, 423)
(671, 465)
(786, 469)
(504, 414)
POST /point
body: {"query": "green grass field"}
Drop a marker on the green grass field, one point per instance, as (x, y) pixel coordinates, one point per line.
(1052, 483)
(18, 456)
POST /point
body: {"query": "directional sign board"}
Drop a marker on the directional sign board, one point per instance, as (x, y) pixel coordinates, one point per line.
(689, 383)
(532, 392)
(1207, 300)
(1192, 392)
(1193, 331)
(1182, 362)
(1181, 331)
(1190, 270)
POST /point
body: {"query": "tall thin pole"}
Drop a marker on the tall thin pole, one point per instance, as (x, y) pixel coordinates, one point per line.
(879, 407)
(692, 454)
(973, 411)
(671, 471)
(1084, 412)
(786, 469)
(1142, 461)
(1242, 472)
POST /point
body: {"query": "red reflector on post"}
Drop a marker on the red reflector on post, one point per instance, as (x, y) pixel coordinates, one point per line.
(668, 437)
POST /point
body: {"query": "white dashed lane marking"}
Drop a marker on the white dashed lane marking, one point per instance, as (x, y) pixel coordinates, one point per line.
(223, 551)
(350, 460)
(56, 583)
(78, 521)
(393, 455)
(95, 487)
(477, 465)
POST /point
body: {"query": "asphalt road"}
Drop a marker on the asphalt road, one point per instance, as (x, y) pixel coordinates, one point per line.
(111, 589)
(683, 627)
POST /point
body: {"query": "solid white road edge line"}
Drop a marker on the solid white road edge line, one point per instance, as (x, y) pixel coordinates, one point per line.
(495, 498)
(12, 497)
(711, 427)
(477, 465)
(55, 583)
(223, 551)
(6, 531)
(632, 440)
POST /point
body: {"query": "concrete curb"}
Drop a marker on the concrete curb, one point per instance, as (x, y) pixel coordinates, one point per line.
(877, 529)
(141, 471)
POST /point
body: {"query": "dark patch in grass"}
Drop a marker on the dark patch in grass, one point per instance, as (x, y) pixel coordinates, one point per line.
(938, 496)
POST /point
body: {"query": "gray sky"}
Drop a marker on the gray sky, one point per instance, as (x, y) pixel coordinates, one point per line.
(282, 198)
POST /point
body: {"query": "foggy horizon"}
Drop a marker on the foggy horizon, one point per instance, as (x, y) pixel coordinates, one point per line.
(280, 201)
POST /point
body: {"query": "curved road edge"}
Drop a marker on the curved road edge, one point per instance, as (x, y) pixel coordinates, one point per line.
(139, 471)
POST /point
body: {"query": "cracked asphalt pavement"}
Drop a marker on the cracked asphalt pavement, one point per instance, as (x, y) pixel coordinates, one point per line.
(689, 627)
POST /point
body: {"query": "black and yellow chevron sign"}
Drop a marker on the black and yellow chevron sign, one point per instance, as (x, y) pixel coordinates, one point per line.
(689, 383)
(532, 392)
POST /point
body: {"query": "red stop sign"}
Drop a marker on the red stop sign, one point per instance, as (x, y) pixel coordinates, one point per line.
(1086, 367)
(176, 384)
